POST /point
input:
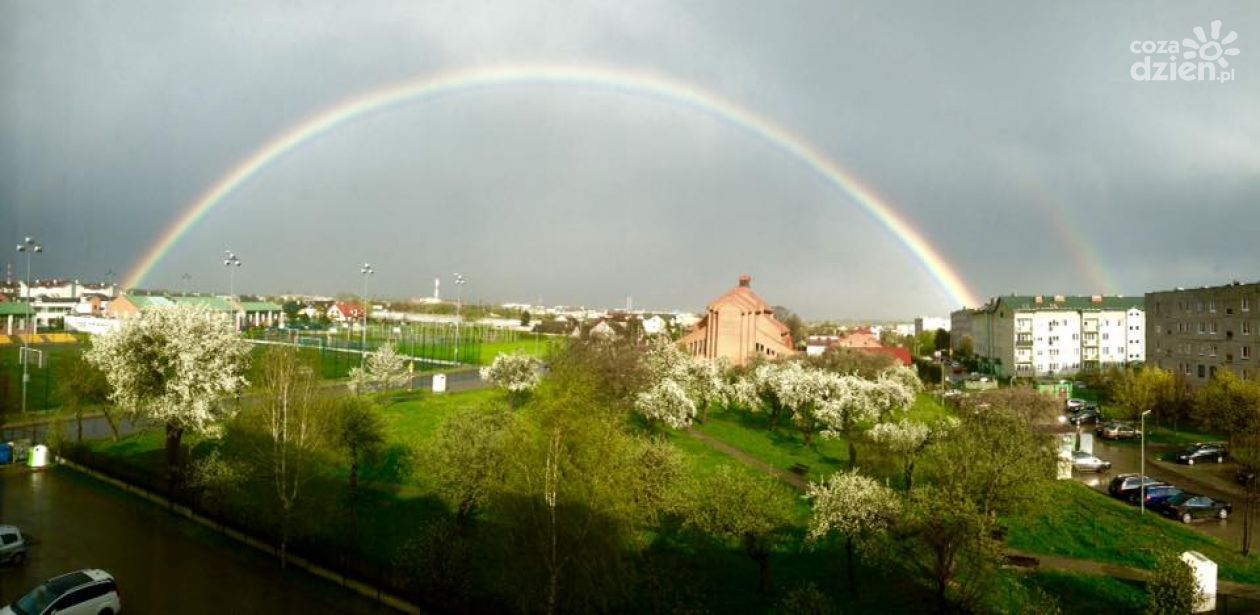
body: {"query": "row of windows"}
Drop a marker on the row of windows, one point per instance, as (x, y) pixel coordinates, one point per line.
(1210, 306)
(1205, 328)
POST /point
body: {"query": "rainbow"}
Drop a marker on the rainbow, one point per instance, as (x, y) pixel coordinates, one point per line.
(616, 80)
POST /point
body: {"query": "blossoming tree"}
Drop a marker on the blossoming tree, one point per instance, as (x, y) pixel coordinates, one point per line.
(516, 372)
(174, 366)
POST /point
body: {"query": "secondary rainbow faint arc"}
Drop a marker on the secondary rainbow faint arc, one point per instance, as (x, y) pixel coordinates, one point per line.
(621, 80)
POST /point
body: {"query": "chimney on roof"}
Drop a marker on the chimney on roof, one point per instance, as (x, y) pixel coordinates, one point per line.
(745, 281)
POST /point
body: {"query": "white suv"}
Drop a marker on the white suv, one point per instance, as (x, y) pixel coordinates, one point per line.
(12, 545)
(86, 592)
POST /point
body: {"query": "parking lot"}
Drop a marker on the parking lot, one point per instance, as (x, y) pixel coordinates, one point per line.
(1211, 479)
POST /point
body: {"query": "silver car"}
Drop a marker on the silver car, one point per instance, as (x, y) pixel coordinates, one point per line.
(1088, 462)
(12, 545)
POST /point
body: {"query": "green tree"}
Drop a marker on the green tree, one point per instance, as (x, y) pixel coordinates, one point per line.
(1172, 589)
(525, 318)
(1228, 405)
(467, 458)
(360, 432)
(82, 385)
(848, 361)
(998, 459)
(796, 326)
(1144, 389)
(731, 506)
(943, 545)
(297, 421)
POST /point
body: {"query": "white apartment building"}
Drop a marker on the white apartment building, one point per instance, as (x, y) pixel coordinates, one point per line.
(1040, 336)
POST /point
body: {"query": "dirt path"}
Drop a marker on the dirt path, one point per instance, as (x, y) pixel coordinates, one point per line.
(795, 480)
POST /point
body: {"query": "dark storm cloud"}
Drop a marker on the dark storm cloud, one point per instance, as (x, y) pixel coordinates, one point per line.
(1010, 133)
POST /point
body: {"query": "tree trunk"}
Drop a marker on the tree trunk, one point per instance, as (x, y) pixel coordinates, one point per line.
(910, 476)
(852, 453)
(848, 548)
(763, 563)
(113, 427)
(354, 476)
(174, 441)
(78, 415)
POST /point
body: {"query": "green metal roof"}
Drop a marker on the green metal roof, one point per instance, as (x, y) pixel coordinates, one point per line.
(145, 301)
(217, 304)
(259, 306)
(1081, 303)
(15, 308)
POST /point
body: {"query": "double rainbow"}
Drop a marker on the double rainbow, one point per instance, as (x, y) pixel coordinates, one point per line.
(616, 80)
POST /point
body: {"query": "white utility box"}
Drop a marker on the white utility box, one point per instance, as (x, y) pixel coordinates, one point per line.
(439, 383)
(1205, 578)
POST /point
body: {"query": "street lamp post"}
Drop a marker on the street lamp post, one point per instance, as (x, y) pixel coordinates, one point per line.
(232, 263)
(459, 302)
(187, 280)
(367, 271)
(1142, 474)
(30, 248)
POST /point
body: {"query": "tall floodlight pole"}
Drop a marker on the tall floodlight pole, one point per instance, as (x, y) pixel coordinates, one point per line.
(232, 263)
(1142, 474)
(30, 248)
(367, 272)
(459, 302)
(187, 280)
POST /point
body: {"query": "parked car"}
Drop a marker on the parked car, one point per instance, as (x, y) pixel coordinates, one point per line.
(1118, 430)
(86, 592)
(12, 545)
(1202, 452)
(1088, 462)
(1155, 495)
(1085, 414)
(1188, 507)
(1123, 484)
(1074, 404)
(1245, 476)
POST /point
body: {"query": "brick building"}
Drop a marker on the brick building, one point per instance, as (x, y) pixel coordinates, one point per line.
(738, 326)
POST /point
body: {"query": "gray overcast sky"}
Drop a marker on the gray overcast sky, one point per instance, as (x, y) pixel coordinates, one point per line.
(1010, 133)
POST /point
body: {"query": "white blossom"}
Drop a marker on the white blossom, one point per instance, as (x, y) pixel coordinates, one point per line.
(911, 437)
(173, 365)
(517, 372)
(385, 369)
(852, 505)
(668, 402)
(852, 401)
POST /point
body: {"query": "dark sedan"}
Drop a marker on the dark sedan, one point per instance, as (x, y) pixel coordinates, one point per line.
(1155, 495)
(1202, 452)
(1188, 507)
(1088, 414)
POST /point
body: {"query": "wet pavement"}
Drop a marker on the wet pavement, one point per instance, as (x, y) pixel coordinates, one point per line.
(163, 563)
(1211, 479)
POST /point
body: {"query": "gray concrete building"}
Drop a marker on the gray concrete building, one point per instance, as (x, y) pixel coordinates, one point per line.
(1196, 332)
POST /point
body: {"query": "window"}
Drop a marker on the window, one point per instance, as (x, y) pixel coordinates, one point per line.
(8, 539)
(1202, 371)
(1246, 328)
(1245, 304)
(1212, 306)
(1214, 329)
(1245, 352)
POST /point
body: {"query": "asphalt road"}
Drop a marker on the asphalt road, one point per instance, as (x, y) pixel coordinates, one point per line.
(163, 563)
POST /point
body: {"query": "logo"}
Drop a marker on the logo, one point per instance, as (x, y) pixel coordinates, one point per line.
(1202, 58)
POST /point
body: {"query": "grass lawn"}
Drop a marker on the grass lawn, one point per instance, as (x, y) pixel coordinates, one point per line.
(537, 346)
(1082, 593)
(785, 448)
(1076, 521)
